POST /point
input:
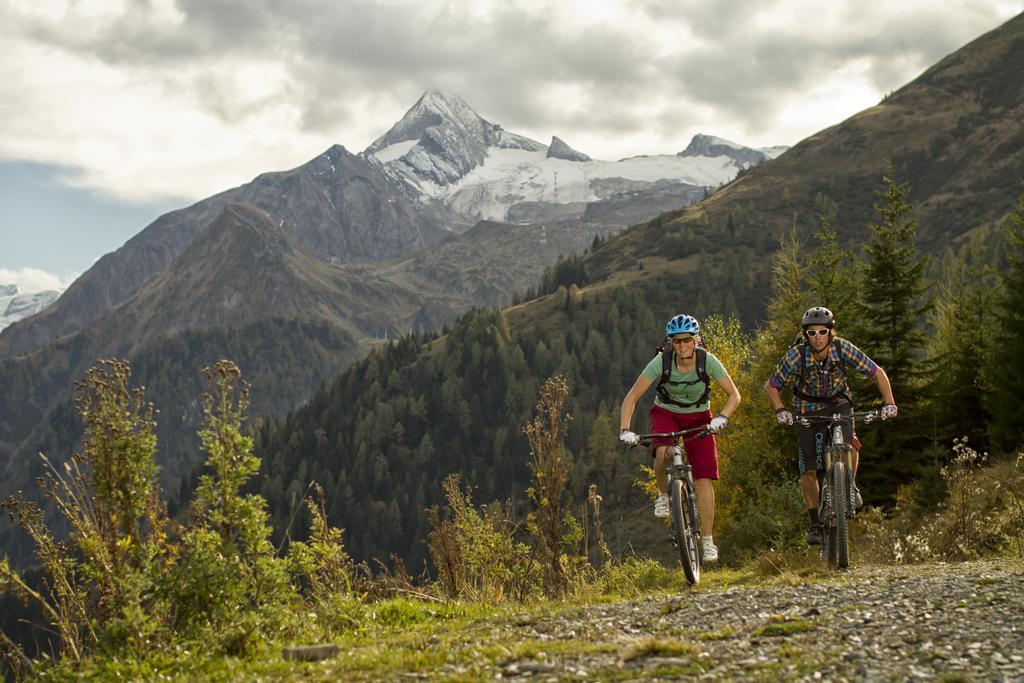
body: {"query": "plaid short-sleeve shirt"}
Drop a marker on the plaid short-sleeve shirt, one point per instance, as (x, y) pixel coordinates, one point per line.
(819, 378)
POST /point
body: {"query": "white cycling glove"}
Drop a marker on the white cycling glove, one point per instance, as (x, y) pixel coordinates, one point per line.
(889, 411)
(784, 417)
(629, 438)
(717, 424)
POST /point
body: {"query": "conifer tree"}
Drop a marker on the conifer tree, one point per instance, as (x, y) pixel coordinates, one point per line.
(785, 309)
(1006, 369)
(832, 275)
(789, 300)
(962, 319)
(892, 301)
(891, 309)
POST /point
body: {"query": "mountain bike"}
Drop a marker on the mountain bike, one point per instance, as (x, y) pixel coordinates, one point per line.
(835, 486)
(682, 500)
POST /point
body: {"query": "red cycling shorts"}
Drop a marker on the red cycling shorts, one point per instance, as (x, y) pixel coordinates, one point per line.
(701, 452)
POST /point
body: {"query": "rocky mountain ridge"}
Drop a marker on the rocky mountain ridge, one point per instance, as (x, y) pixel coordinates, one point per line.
(449, 140)
(336, 207)
(559, 149)
(342, 208)
(710, 146)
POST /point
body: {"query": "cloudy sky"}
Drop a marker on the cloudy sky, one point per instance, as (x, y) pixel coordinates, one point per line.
(114, 111)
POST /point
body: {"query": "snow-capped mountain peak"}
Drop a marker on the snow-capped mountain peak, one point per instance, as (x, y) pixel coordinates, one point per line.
(439, 140)
(559, 149)
(433, 108)
(710, 146)
(443, 150)
(15, 305)
(447, 105)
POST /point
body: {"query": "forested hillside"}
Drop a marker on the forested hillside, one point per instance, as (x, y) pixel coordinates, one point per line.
(386, 434)
(304, 354)
(383, 437)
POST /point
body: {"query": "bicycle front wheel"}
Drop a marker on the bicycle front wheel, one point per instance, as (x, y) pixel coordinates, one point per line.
(828, 532)
(839, 481)
(684, 535)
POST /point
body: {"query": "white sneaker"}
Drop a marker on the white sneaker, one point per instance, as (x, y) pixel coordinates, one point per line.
(710, 550)
(661, 505)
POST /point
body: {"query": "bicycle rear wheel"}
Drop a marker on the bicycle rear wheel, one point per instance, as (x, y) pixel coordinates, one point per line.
(839, 481)
(683, 533)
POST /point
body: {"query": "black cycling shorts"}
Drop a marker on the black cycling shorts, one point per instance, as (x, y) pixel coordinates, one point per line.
(812, 441)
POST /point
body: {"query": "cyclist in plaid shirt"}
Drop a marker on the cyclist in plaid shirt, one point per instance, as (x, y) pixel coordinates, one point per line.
(816, 369)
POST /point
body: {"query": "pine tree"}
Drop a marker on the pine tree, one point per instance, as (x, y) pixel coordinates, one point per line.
(957, 350)
(891, 312)
(832, 275)
(789, 300)
(1006, 369)
(785, 309)
(892, 299)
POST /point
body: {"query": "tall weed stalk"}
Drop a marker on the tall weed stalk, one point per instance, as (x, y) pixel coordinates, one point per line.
(101, 583)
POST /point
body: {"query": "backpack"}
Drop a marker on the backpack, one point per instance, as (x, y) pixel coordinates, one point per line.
(668, 359)
(801, 344)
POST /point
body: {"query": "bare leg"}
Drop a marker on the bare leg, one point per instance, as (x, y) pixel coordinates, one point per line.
(705, 505)
(809, 487)
(661, 467)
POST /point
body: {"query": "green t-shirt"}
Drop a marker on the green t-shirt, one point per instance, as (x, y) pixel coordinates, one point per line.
(687, 393)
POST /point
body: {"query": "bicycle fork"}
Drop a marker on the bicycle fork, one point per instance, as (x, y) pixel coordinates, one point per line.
(845, 453)
(825, 508)
(683, 471)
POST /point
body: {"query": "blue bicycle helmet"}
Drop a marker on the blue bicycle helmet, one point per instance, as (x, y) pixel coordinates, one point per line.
(682, 324)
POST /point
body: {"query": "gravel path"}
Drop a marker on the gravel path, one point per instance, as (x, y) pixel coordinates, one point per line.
(947, 622)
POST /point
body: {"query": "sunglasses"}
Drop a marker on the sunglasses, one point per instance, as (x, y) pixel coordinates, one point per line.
(682, 340)
(812, 333)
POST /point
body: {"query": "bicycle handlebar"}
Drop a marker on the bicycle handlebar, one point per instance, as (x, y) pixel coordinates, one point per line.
(645, 439)
(867, 415)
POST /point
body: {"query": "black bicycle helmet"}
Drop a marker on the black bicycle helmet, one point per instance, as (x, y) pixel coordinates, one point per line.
(819, 315)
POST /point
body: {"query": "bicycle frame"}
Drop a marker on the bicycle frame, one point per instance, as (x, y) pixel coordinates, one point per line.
(835, 487)
(683, 501)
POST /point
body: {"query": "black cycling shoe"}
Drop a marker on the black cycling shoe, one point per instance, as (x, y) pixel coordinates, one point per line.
(814, 535)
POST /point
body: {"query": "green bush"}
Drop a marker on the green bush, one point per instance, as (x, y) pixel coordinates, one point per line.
(129, 591)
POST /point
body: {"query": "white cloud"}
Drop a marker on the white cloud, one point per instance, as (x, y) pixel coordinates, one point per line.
(184, 98)
(31, 280)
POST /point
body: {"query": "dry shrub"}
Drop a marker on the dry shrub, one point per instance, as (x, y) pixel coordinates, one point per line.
(789, 564)
(476, 552)
(981, 516)
(550, 524)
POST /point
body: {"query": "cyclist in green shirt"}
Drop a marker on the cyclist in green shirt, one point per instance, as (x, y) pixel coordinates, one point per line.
(683, 402)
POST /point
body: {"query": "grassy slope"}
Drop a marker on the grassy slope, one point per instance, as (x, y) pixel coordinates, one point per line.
(410, 638)
(406, 636)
